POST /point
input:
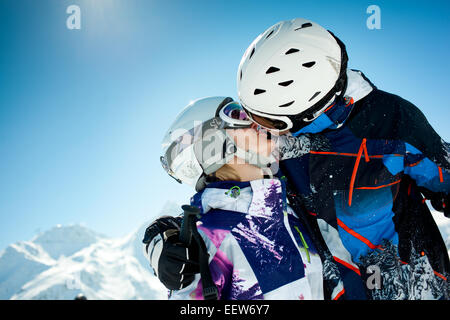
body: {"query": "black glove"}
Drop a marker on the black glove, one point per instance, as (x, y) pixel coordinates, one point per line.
(441, 202)
(177, 264)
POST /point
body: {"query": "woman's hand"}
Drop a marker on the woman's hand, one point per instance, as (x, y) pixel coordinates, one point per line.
(173, 263)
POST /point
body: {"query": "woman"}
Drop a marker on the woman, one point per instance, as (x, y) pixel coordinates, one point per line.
(257, 246)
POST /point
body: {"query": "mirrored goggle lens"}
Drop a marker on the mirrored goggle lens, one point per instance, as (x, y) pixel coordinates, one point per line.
(234, 116)
(235, 111)
(267, 122)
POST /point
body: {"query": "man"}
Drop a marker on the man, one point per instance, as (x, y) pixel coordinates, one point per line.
(362, 190)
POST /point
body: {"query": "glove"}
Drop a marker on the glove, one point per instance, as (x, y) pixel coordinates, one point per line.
(441, 203)
(295, 147)
(173, 263)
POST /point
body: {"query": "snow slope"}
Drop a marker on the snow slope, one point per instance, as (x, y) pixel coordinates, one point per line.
(77, 260)
(64, 261)
(67, 260)
(444, 227)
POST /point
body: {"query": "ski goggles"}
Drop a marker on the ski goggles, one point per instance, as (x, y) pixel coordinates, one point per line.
(277, 123)
(234, 116)
(282, 123)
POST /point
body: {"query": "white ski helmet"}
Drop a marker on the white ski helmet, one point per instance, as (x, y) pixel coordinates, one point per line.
(291, 73)
(197, 143)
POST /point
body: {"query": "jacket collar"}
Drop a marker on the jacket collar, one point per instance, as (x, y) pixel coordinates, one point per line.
(358, 86)
(264, 197)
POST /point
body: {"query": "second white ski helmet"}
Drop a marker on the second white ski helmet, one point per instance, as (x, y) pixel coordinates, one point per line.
(197, 143)
(290, 73)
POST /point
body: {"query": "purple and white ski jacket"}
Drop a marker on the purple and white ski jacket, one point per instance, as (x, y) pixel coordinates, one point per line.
(257, 245)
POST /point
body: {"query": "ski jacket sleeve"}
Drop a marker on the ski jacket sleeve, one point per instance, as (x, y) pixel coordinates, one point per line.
(433, 176)
(426, 173)
(173, 263)
(383, 115)
(294, 147)
(221, 270)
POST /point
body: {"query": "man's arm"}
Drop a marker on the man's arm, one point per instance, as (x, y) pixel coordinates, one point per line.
(382, 115)
(433, 180)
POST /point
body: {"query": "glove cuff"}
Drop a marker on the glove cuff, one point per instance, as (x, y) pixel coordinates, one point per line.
(152, 252)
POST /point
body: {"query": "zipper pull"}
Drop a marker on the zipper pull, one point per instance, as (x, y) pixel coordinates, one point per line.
(305, 245)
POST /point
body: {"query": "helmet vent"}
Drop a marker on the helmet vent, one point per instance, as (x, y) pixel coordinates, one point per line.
(286, 104)
(270, 33)
(240, 75)
(285, 83)
(314, 95)
(292, 50)
(258, 91)
(309, 64)
(272, 70)
(251, 53)
(305, 25)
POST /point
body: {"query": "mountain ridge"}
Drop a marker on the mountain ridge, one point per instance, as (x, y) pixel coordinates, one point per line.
(66, 260)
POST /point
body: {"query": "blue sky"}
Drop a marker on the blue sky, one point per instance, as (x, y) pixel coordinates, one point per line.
(82, 112)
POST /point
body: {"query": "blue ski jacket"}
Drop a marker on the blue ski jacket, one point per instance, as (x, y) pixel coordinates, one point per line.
(363, 189)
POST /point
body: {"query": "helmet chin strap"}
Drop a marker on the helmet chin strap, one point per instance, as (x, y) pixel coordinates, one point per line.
(316, 114)
(322, 110)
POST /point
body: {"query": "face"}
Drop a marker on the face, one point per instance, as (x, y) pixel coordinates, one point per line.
(257, 141)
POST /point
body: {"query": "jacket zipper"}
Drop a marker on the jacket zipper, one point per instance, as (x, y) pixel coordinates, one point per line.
(305, 245)
(287, 224)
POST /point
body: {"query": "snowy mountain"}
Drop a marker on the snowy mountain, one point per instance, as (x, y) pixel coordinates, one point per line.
(444, 226)
(67, 260)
